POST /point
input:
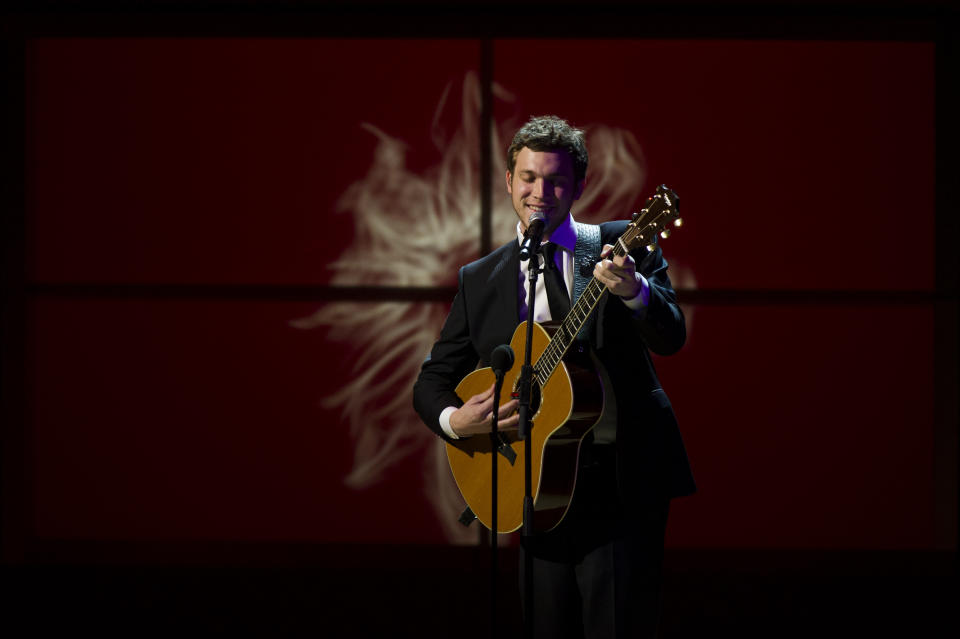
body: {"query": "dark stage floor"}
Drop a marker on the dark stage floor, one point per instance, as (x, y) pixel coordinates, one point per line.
(443, 592)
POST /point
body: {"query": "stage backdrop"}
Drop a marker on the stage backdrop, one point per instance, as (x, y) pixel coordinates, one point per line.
(229, 241)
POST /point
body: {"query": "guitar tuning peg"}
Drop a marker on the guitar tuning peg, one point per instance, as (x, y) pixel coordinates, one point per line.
(651, 247)
(665, 233)
(678, 222)
(634, 217)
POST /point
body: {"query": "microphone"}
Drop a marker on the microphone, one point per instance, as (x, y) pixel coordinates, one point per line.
(501, 360)
(531, 239)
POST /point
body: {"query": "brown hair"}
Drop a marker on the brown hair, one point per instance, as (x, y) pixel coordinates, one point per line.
(550, 133)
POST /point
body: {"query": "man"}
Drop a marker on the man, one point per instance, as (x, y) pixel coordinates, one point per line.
(597, 573)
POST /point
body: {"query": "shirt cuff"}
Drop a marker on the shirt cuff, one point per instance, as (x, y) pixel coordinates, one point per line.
(642, 299)
(445, 422)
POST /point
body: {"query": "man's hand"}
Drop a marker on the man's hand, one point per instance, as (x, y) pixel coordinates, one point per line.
(619, 274)
(476, 415)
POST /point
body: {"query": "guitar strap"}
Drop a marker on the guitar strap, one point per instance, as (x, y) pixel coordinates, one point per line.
(586, 253)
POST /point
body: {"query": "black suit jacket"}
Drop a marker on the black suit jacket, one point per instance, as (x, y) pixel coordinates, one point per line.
(651, 459)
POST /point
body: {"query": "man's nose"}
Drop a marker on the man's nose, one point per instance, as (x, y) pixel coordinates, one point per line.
(539, 188)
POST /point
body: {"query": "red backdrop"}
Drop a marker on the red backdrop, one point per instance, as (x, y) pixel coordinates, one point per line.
(800, 165)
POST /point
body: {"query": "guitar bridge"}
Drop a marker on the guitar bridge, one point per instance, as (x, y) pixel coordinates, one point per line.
(505, 449)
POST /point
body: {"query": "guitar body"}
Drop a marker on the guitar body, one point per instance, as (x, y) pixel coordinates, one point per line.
(564, 410)
(570, 404)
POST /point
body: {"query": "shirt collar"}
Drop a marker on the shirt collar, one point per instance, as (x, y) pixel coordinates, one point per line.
(564, 235)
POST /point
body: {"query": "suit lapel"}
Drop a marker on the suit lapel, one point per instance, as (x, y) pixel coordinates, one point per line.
(505, 277)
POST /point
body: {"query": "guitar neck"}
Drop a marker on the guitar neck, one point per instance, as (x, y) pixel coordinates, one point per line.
(642, 230)
(575, 321)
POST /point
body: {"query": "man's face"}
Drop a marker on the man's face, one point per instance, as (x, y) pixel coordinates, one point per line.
(543, 181)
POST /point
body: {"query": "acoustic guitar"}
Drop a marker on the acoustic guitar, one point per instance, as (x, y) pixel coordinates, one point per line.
(567, 401)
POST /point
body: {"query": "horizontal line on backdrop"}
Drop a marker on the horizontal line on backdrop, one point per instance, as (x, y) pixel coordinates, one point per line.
(315, 293)
(278, 292)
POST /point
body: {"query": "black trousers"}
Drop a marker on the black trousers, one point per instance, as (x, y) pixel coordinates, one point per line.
(598, 573)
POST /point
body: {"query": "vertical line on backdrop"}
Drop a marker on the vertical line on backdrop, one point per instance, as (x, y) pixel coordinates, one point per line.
(486, 171)
(486, 148)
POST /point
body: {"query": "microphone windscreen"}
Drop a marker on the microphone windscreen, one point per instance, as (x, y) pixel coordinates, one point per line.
(501, 360)
(535, 223)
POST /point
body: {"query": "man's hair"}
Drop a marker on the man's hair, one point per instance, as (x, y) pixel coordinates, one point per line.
(550, 133)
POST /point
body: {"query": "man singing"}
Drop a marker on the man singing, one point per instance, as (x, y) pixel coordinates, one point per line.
(597, 574)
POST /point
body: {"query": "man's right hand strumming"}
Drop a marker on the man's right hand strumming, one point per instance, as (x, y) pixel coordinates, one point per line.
(476, 415)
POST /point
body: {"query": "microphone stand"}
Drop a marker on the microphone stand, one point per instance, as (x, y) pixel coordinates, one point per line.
(525, 426)
(501, 360)
(494, 442)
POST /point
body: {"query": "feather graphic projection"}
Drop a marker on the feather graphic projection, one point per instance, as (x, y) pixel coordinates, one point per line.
(417, 229)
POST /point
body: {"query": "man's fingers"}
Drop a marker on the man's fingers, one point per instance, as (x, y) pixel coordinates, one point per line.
(509, 423)
(485, 408)
(478, 414)
(605, 274)
(509, 407)
(625, 262)
(505, 409)
(479, 398)
(615, 262)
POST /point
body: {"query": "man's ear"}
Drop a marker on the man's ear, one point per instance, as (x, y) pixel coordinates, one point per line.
(509, 183)
(577, 192)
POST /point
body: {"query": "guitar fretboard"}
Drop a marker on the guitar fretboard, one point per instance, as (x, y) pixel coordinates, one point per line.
(572, 325)
(641, 231)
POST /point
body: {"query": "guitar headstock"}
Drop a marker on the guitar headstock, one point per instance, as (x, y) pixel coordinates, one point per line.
(661, 213)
